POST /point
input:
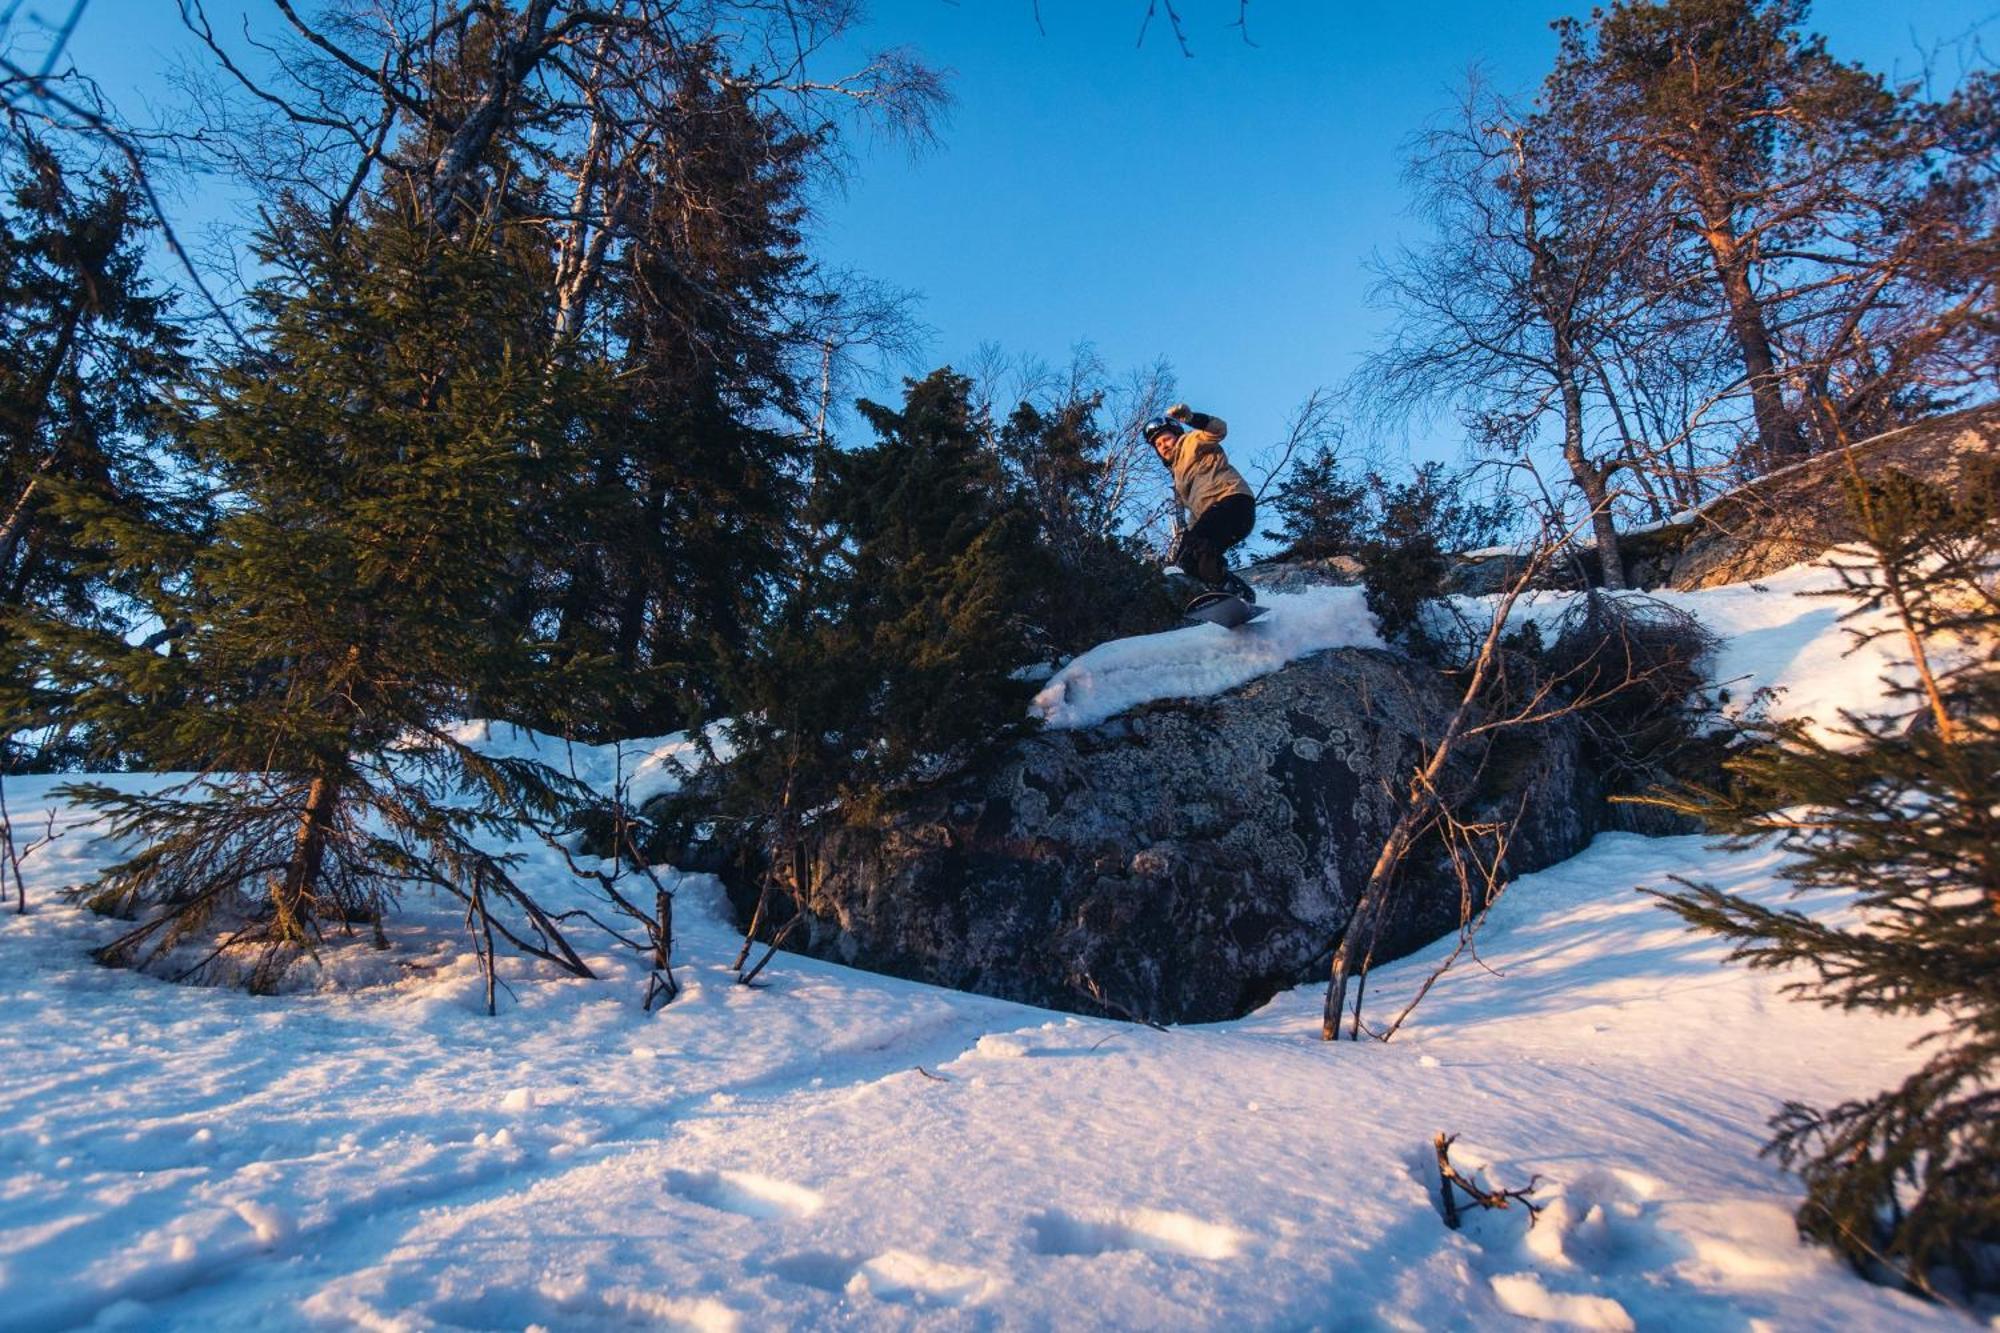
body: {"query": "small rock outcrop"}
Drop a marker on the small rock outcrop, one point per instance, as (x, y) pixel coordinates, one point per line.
(1762, 526)
(1293, 575)
(1798, 512)
(1181, 862)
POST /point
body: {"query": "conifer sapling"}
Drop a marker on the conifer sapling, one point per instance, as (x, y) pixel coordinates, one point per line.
(1899, 808)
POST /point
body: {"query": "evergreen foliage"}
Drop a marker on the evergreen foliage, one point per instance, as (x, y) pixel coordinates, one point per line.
(941, 556)
(1900, 809)
(377, 452)
(1402, 533)
(89, 360)
(896, 658)
(1324, 511)
(1101, 584)
(663, 548)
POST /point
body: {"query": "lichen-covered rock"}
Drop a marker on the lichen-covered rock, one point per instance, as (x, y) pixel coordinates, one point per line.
(1488, 574)
(1182, 862)
(1293, 575)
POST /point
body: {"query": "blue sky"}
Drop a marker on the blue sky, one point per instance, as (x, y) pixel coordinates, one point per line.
(1217, 210)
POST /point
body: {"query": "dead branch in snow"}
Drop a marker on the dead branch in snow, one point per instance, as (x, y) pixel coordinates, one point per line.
(625, 856)
(1611, 661)
(1451, 1183)
(1475, 904)
(771, 950)
(15, 855)
(1420, 805)
(1086, 985)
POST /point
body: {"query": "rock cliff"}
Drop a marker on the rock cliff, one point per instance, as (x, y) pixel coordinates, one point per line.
(1181, 862)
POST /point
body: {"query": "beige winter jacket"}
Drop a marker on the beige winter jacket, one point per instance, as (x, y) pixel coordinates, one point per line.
(1202, 474)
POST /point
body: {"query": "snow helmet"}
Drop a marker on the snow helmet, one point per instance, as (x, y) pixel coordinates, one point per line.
(1157, 424)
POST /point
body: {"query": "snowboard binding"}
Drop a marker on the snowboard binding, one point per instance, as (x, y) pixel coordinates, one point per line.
(1224, 608)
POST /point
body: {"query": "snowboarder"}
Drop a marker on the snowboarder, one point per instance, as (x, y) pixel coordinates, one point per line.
(1221, 510)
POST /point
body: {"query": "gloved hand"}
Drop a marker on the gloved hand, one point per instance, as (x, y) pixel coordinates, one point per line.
(1180, 412)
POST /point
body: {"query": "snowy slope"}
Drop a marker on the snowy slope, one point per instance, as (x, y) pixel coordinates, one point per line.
(847, 1150)
(1781, 634)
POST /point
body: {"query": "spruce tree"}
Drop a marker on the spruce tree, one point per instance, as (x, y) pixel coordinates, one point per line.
(1321, 510)
(376, 452)
(1413, 527)
(1899, 808)
(1100, 583)
(896, 658)
(89, 363)
(684, 509)
(938, 558)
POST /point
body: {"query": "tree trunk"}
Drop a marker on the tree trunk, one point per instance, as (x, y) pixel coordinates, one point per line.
(1555, 298)
(24, 574)
(16, 522)
(638, 592)
(1638, 459)
(293, 894)
(1357, 942)
(1778, 434)
(1590, 478)
(512, 62)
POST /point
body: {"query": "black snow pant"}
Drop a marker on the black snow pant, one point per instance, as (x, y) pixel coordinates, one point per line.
(1214, 530)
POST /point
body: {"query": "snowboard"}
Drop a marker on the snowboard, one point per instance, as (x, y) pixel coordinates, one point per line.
(1224, 609)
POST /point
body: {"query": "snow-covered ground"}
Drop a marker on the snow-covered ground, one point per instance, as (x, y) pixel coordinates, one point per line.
(1780, 634)
(842, 1149)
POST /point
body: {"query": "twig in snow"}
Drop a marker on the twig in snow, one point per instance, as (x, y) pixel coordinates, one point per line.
(800, 892)
(13, 861)
(1085, 984)
(776, 941)
(15, 856)
(1451, 1183)
(657, 925)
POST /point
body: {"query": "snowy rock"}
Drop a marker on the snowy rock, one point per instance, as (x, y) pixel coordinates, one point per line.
(1798, 512)
(1180, 862)
(1492, 570)
(1791, 515)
